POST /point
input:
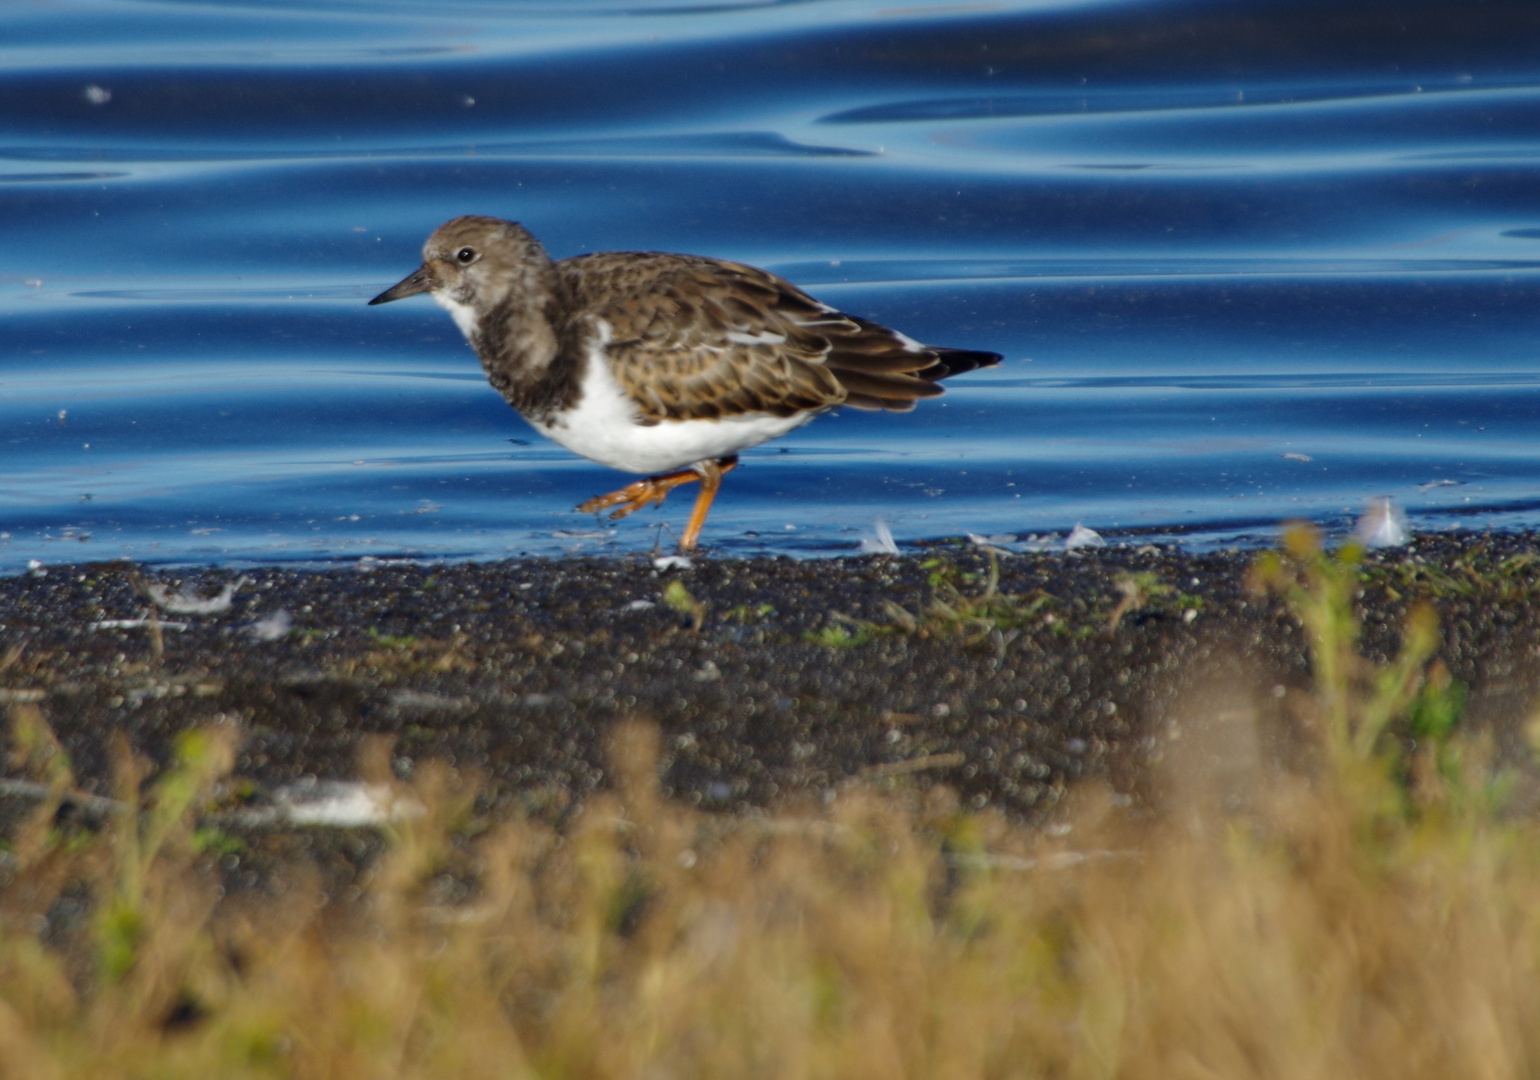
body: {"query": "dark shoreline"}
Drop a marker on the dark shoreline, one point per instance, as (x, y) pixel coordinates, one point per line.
(515, 670)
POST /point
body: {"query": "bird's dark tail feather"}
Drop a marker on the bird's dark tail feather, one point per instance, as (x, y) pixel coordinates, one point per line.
(951, 362)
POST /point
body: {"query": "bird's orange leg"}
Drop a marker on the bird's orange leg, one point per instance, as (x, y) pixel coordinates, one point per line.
(654, 489)
(710, 480)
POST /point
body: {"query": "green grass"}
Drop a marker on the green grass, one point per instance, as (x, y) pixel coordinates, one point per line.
(970, 608)
(966, 606)
(1476, 571)
(679, 598)
(842, 633)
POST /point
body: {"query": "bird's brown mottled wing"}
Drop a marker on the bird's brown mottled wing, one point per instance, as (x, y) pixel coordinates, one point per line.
(699, 338)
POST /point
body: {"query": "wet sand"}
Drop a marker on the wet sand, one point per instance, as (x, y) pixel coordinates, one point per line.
(768, 678)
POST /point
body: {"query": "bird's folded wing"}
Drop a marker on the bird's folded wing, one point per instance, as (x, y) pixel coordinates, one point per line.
(697, 338)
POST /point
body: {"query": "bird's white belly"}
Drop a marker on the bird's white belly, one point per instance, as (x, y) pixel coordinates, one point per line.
(605, 427)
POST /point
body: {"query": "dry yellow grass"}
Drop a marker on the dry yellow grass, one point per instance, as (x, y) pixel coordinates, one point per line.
(1380, 917)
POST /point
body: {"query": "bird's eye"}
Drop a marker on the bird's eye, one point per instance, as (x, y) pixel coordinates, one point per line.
(466, 256)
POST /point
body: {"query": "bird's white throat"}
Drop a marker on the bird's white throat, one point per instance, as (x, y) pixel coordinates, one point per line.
(463, 314)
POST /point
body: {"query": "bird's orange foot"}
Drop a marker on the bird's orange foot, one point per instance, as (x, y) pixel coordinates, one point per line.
(643, 493)
(654, 489)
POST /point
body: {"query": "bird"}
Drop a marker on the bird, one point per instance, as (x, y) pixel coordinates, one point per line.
(664, 364)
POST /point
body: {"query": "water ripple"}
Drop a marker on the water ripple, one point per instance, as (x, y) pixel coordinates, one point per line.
(1246, 262)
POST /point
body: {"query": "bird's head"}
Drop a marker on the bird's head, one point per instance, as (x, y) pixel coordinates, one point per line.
(474, 262)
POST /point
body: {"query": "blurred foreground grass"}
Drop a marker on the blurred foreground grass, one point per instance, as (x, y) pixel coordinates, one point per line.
(1374, 912)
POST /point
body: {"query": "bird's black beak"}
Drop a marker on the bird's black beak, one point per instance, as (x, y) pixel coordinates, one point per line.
(419, 281)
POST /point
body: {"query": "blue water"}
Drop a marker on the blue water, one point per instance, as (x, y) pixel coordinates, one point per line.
(1247, 261)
